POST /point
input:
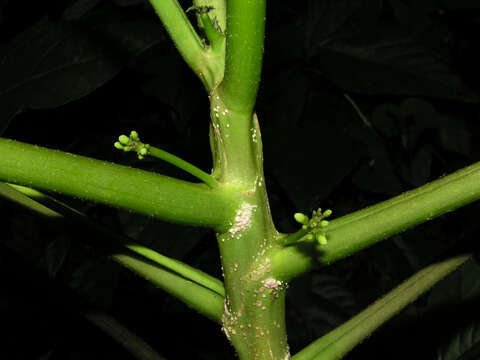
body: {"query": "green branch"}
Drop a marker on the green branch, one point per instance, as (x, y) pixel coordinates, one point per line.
(46, 205)
(120, 186)
(188, 272)
(351, 233)
(197, 297)
(10, 193)
(179, 279)
(244, 53)
(344, 338)
(181, 31)
(207, 62)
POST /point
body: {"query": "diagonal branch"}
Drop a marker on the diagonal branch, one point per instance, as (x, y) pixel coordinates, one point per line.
(341, 340)
(181, 31)
(351, 233)
(198, 290)
(48, 206)
(206, 61)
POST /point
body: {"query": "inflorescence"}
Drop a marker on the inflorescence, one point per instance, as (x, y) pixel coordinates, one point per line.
(313, 228)
(132, 143)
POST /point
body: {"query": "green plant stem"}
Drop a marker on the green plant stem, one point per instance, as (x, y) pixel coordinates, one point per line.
(351, 233)
(206, 62)
(182, 164)
(244, 53)
(197, 297)
(145, 192)
(180, 268)
(181, 31)
(58, 209)
(13, 195)
(341, 340)
(181, 280)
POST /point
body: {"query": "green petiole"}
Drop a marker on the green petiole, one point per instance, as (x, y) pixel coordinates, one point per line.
(133, 143)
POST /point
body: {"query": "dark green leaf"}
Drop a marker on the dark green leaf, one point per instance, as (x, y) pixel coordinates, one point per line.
(299, 157)
(56, 252)
(378, 174)
(93, 277)
(454, 134)
(361, 53)
(463, 345)
(319, 304)
(125, 3)
(53, 64)
(172, 240)
(459, 289)
(420, 167)
(460, 4)
(79, 8)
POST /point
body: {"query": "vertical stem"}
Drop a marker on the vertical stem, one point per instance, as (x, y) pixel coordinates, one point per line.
(253, 317)
(245, 37)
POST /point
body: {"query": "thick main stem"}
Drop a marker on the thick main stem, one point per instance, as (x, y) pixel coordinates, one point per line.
(253, 317)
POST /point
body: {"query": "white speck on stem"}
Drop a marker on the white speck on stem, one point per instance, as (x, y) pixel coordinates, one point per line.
(254, 135)
(242, 218)
(271, 283)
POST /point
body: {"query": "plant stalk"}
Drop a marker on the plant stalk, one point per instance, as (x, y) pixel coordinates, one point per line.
(351, 233)
(120, 186)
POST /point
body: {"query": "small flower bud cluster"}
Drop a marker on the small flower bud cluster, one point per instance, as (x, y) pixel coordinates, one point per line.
(315, 226)
(132, 143)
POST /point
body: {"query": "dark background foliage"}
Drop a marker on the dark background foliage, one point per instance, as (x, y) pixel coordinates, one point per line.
(76, 74)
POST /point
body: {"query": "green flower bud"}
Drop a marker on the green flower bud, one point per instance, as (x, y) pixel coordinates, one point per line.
(322, 239)
(118, 145)
(134, 135)
(327, 213)
(301, 218)
(143, 151)
(124, 140)
(323, 223)
(309, 237)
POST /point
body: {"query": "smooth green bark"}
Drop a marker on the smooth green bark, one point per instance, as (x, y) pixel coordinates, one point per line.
(120, 186)
(351, 233)
(244, 53)
(253, 318)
